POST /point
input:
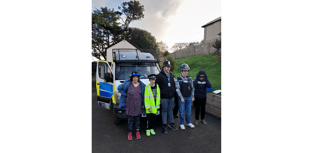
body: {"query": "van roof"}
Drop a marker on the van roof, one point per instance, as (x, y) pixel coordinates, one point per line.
(123, 56)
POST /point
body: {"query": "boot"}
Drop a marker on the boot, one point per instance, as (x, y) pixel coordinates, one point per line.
(152, 132)
(165, 130)
(148, 133)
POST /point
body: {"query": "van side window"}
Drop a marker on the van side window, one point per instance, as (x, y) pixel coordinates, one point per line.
(101, 69)
(104, 72)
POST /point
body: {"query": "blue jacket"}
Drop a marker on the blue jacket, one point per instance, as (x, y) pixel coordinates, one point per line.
(200, 89)
(123, 90)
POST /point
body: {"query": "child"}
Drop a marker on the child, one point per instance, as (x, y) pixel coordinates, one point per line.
(133, 88)
(184, 88)
(152, 103)
(200, 84)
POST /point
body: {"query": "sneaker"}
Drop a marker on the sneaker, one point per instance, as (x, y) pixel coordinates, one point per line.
(130, 136)
(196, 122)
(152, 132)
(175, 116)
(138, 135)
(165, 130)
(182, 126)
(190, 125)
(204, 122)
(172, 126)
(148, 133)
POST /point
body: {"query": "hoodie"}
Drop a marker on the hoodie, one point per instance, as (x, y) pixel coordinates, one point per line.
(200, 86)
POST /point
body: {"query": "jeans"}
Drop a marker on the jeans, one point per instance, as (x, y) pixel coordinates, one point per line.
(130, 122)
(167, 110)
(188, 107)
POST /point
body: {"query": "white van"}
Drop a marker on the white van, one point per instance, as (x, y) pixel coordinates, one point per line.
(113, 72)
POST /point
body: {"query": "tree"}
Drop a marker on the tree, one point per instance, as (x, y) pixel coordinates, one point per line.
(110, 27)
(193, 43)
(143, 39)
(174, 48)
(162, 46)
(165, 53)
(217, 45)
(105, 30)
(178, 46)
(133, 10)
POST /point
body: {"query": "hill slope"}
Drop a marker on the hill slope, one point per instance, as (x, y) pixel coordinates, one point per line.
(207, 63)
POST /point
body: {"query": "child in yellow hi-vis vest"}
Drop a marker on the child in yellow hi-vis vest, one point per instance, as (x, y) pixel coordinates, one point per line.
(152, 103)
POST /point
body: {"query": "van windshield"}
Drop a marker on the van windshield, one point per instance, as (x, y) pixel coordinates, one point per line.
(124, 70)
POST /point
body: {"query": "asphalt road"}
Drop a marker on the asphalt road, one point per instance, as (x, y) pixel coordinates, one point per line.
(107, 137)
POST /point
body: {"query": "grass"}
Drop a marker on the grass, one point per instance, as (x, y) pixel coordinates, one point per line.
(207, 63)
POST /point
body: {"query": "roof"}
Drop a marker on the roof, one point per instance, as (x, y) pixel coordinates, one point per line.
(127, 41)
(151, 51)
(211, 22)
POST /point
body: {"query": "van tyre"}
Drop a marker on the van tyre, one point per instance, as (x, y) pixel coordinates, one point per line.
(116, 120)
(111, 107)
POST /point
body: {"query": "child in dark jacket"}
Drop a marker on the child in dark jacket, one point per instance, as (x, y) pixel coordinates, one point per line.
(200, 84)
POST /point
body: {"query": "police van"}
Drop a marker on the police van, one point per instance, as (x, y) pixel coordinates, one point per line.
(121, 60)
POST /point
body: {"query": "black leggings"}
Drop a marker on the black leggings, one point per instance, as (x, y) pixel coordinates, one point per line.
(150, 121)
(200, 104)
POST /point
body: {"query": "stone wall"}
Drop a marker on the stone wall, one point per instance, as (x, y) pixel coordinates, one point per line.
(193, 50)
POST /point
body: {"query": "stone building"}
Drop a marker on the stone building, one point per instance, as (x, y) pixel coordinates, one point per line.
(212, 30)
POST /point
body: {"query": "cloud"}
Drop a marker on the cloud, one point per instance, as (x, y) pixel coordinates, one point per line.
(191, 15)
(156, 16)
(99, 3)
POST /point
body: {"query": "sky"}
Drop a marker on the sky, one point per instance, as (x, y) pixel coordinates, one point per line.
(172, 21)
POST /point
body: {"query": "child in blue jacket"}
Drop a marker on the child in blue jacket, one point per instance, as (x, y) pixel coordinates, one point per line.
(132, 95)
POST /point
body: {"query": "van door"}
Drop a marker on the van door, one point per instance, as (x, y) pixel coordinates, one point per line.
(104, 84)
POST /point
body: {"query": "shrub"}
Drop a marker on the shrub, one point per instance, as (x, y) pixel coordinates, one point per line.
(166, 53)
(217, 45)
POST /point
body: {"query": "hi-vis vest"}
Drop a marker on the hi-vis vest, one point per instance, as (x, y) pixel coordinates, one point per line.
(149, 101)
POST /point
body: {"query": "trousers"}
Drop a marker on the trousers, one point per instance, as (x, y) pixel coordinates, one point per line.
(132, 119)
(150, 121)
(186, 105)
(167, 110)
(200, 104)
